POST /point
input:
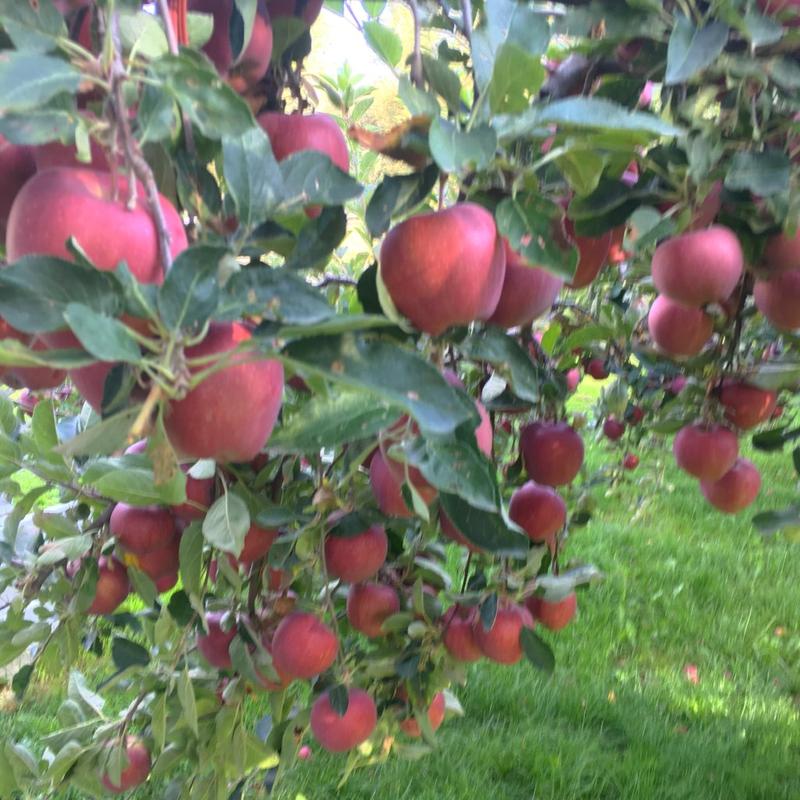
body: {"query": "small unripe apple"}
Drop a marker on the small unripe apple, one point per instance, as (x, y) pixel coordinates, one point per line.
(303, 645)
(337, 734)
(736, 489)
(706, 452)
(778, 299)
(553, 614)
(355, 558)
(613, 428)
(746, 406)
(112, 587)
(458, 634)
(444, 268)
(369, 605)
(552, 452)
(678, 330)
(501, 642)
(539, 511)
(214, 645)
(435, 714)
(698, 267)
(136, 771)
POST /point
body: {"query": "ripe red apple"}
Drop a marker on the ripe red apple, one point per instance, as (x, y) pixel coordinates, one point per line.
(631, 461)
(79, 203)
(501, 642)
(778, 299)
(199, 496)
(698, 267)
(677, 330)
(16, 167)
(596, 368)
(338, 734)
(705, 451)
(528, 291)
(736, 489)
(244, 73)
(141, 529)
(303, 645)
(137, 769)
(214, 646)
(573, 379)
(435, 717)
(746, 406)
(112, 587)
(613, 428)
(553, 614)
(449, 530)
(636, 415)
(484, 435)
(230, 415)
(358, 557)
(592, 255)
(369, 605)
(427, 492)
(34, 378)
(56, 154)
(166, 581)
(782, 252)
(158, 563)
(444, 268)
(552, 452)
(266, 683)
(257, 543)
(458, 634)
(295, 133)
(539, 511)
(307, 10)
(386, 488)
(677, 384)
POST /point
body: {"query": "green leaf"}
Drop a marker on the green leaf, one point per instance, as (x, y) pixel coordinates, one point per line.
(762, 173)
(762, 30)
(774, 521)
(328, 422)
(785, 72)
(252, 176)
(142, 31)
(126, 653)
(32, 27)
(102, 336)
(43, 426)
(310, 177)
(386, 370)
(206, 99)
(158, 721)
(37, 127)
(339, 698)
(691, 49)
(528, 222)
(317, 239)
(416, 100)
(191, 558)
(226, 523)
(455, 150)
(190, 291)
(396, 195)
(488, 612)
(275, 294)
(130, 479)
(611, 204)
(384, 41)
(583, 169)
(155, 118)
(485, 529)
(36, 290)
(29, 79)
(103, 438)
(65, 550)
(516, 80)
(776, 375)
(537, 651)
(583, 112)
(443, 81)
(187, 700)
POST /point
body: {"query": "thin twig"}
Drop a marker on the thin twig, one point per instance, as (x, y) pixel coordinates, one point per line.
(335, 280)
(416, 58)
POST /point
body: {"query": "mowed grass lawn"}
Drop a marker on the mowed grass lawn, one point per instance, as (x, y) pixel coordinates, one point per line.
(679, 679)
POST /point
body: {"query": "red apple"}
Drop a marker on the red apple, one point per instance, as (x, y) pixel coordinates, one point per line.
(631, 461)
(484, 435)
(16, 167)
(435, 717)
(214, 646)
(140, 529)
(386, 488)
(592, 255)
(596, 368)
(553, 614)
(34, 378)
(303, 645)
(678, 330)
(257, 543)
(56, 154)
(138, 766)
(698, 267)
(159, 563)
(746, 406)
(736, 489)
(199, 496)
(266, 683)
(552, 452)
(677, 384)
(501, 642)
(573, 377)
(613, 428)
(229, 415)
(112, 587)
(166, 581)
(307, 10)
(338, 734)
(778, 299)
(252, 63)
(369, 605)
(636, 415)
(706, 452)
(458, 634)
(528, 291)
(539, 511)
(444, 268)
(354, 558)
(79, 203)
(296, 133)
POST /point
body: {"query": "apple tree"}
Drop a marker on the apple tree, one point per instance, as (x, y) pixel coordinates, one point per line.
(271, 371)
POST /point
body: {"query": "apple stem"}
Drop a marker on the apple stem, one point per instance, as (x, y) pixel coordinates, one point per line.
(142, 423)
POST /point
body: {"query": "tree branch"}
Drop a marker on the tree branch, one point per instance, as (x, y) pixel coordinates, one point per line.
(416, 58)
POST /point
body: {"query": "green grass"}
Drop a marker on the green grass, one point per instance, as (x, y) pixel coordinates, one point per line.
(620, 718)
